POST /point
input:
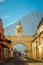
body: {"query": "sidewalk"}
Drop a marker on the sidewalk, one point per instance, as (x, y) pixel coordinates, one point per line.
(39, 60)
(2, 60)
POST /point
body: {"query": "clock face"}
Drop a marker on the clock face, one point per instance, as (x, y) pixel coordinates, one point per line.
(18, 30)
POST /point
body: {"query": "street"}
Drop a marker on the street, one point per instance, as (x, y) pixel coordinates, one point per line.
(20, 61)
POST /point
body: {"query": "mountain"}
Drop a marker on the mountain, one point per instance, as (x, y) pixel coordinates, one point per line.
(29, 23)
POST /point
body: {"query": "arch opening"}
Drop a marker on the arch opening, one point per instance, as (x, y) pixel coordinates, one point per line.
(22, 49)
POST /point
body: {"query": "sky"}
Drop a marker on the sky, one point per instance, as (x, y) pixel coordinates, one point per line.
(13, 10)
(20, 47)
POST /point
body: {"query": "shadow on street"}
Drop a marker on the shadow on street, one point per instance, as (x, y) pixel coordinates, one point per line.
(19, 61)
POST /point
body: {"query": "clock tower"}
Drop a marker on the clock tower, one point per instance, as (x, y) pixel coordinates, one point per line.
(19, 31)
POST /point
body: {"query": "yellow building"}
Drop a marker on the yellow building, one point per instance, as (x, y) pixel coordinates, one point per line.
(33, 43)
(19, 38)
(37, 43)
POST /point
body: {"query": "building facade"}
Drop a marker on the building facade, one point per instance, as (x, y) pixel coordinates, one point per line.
(33, 43)
(37, 43)
(4, 43)
(19, 38)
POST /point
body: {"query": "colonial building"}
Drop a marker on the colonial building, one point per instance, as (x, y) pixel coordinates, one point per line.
(37, 43)
(19, 38)
(4, 43)
(33, 43)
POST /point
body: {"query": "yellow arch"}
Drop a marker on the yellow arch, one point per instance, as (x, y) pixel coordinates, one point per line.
(26, 40)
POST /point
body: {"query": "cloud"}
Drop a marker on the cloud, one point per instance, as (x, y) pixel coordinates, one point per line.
(2, 1)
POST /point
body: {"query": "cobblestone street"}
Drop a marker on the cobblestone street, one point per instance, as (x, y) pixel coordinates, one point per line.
(21, 61)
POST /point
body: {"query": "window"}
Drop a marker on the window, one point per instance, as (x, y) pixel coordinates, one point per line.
(19, 30)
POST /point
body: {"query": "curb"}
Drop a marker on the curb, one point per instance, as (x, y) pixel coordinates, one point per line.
(39, 59)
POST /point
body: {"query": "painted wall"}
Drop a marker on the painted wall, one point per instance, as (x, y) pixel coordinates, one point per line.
(25, 40)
